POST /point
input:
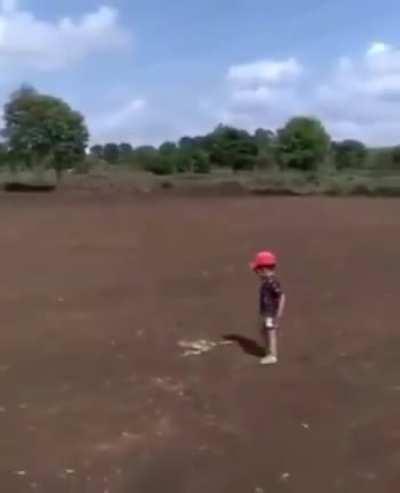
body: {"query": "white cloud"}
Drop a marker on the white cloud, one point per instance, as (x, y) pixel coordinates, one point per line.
(265, 96)
(8, 6)
(265, 72)
(260, 88)
(29, 42)
(140, 122)
(358, 98)
(258, 95)
(362, 97)
(378, 48)
(118, 124)
(123, 116)
(383, 58)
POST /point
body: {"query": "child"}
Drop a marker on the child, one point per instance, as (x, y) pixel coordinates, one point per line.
(272, 302)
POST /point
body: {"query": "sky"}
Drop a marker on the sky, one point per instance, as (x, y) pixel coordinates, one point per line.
(146, 71)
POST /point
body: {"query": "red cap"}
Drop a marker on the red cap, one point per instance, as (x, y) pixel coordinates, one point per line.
(264, 259)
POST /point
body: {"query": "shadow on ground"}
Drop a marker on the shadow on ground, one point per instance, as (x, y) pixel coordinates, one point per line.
(249, 346)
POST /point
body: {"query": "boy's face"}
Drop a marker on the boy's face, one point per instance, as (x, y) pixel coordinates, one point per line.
(265, 272)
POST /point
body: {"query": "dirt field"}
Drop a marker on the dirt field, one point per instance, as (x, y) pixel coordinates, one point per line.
(97, 292)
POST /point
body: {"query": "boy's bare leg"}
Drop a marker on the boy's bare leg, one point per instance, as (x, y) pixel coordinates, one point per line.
(272, 348)
(273, 343)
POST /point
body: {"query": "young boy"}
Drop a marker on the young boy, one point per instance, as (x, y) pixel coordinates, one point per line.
(272, 302)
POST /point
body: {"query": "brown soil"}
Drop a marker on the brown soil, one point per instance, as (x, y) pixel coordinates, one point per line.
(96, 292)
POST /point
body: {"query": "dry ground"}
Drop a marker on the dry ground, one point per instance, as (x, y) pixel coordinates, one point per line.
(97, 291)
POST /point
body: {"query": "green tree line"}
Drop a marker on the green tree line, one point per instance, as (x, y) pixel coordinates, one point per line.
(43, 132)
(302, 144)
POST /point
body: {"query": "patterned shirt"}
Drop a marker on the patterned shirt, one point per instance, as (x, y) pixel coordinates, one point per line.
(270, 296)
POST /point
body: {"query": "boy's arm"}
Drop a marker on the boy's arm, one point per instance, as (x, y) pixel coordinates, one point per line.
(278, 291)
(282, 305)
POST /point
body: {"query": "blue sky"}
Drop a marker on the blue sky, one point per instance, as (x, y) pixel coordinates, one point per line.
(148, 71)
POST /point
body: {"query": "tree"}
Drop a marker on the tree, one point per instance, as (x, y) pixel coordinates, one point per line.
(203, 142)
(3, 154)
(265, 160)
(232, 148)
(167, 148)
(162, 165)
(144, 157)
(125, 151)
(264, 139)
(24, 91)
(187, 144)
(168, 160)
(349, 154)
(385, 158)
(244, 155)
(97, 151)
(302, 144)
(396, 157)
(200, 162)
(381, 158)
(185, 155)
(111, 153)
(44, 131)
(193, 160)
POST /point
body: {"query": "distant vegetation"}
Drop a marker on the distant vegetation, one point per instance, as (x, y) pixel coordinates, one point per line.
(42, 132)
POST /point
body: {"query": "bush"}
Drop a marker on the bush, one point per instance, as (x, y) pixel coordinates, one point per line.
(201, 163)
(232, 148)
(302, 144)
(349, 154)
(265, 161)
(84, 166)
(162, 166)
(381, 159)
